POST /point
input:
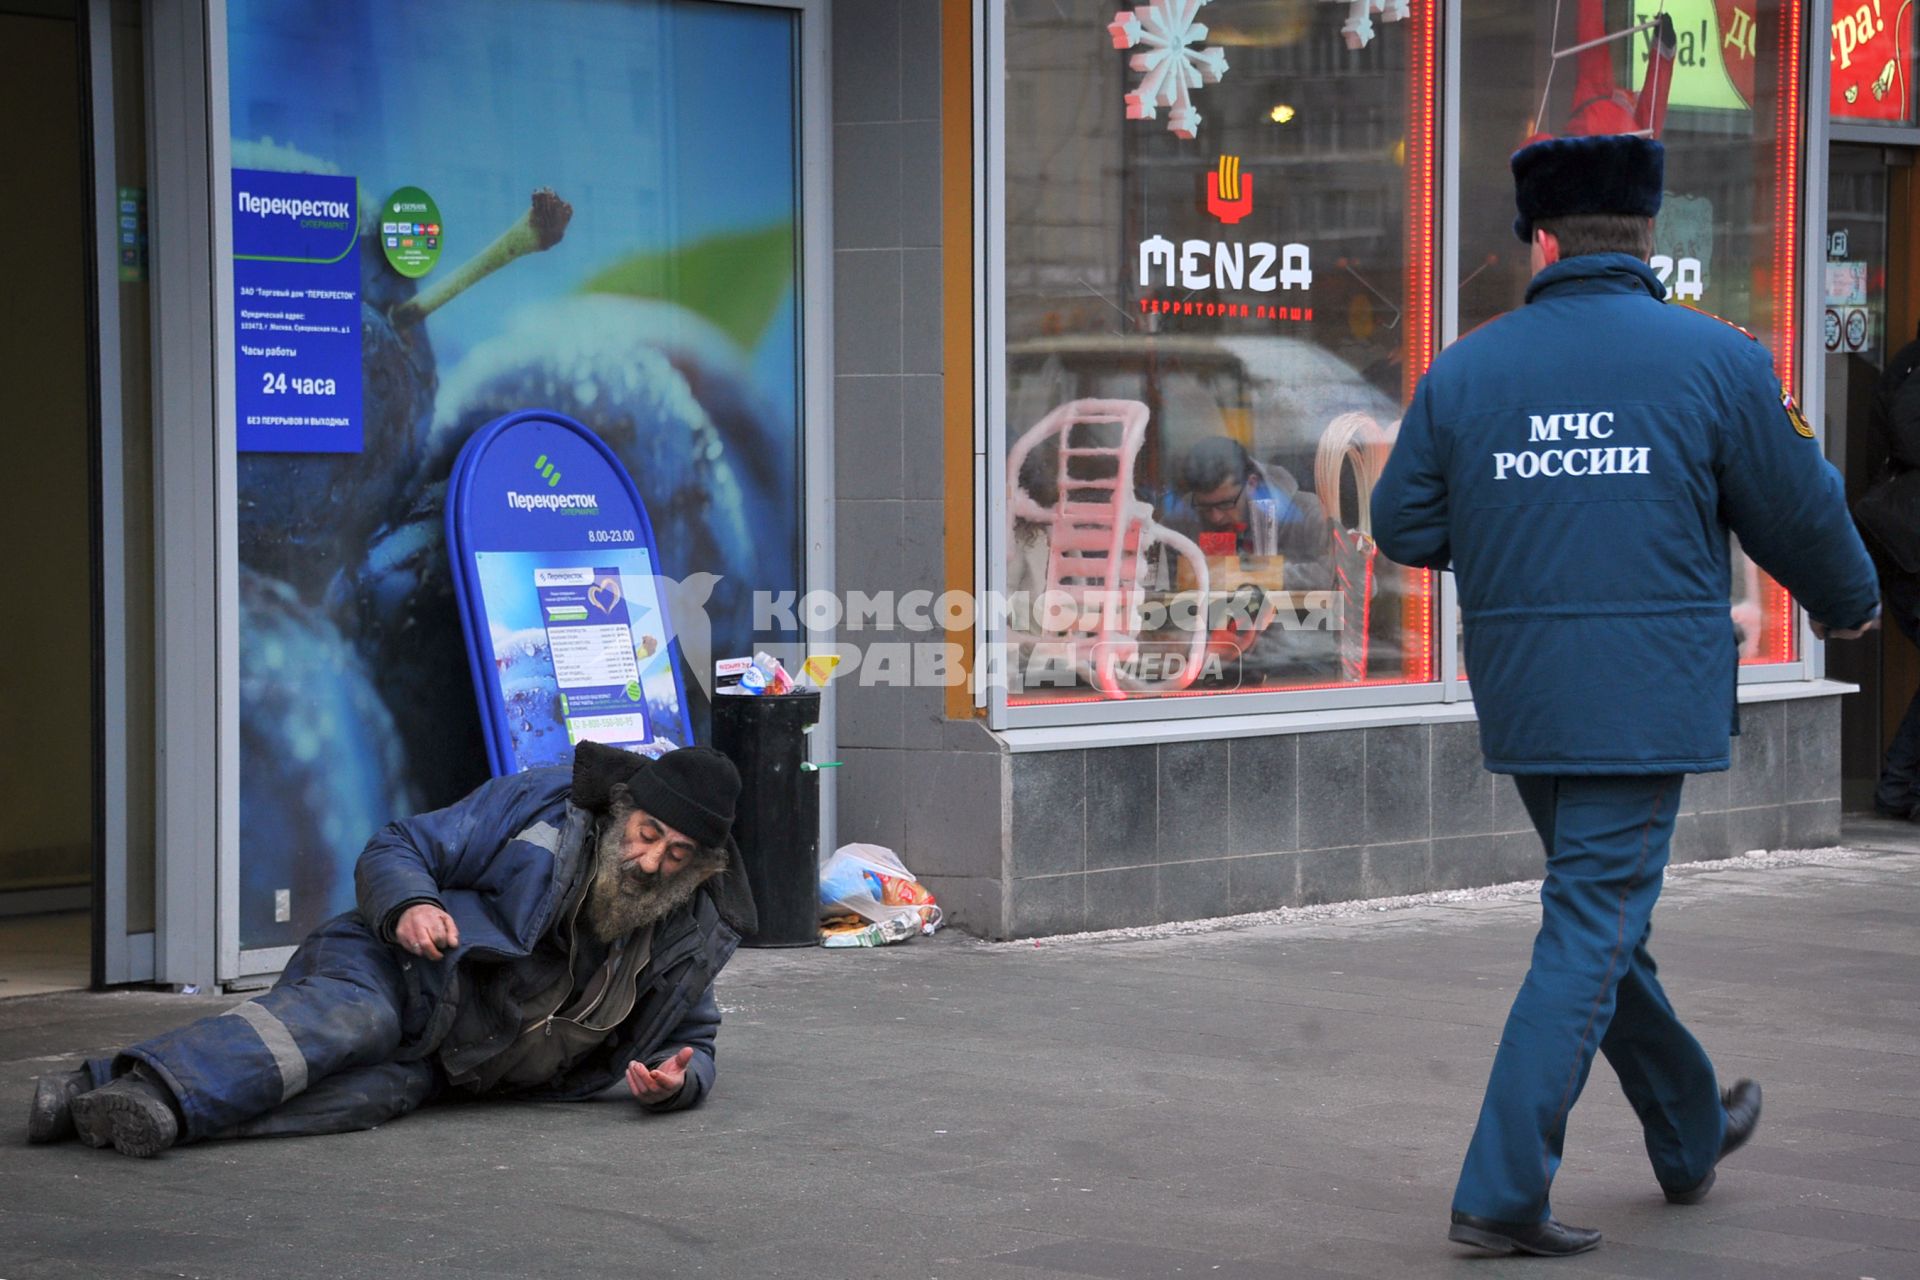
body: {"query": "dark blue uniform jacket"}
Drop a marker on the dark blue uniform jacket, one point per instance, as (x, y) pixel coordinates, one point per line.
(1579, 463)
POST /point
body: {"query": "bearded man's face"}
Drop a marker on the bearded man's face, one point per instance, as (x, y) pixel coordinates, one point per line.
(643, 869)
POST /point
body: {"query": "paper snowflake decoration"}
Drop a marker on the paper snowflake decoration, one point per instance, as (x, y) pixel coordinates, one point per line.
(1169, 70)
(1358, 28)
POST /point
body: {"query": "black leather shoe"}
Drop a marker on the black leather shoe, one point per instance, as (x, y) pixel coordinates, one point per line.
(1742, 1105)
(1549, 1239)
(135, 1115)
(50, 1119)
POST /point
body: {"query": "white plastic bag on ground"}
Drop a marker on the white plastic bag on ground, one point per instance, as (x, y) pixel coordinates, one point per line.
(870, 881)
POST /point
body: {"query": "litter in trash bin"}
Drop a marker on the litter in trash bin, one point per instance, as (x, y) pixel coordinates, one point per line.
(818, 668)
(870, 882)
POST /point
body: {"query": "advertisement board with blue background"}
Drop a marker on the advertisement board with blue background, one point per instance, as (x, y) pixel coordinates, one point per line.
(611, 191)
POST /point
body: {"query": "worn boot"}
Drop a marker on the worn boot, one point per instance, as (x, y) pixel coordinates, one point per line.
(135, 1113)
(50, 1118)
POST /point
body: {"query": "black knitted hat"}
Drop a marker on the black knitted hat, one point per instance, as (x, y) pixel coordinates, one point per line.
(692, 790)
(1605, 173)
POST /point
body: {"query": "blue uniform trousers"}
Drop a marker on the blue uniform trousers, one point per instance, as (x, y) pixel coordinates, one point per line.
(320, 1053)
(1592, 986)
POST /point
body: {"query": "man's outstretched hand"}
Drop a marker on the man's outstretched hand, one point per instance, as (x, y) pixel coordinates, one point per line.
(657, 1084)
(426, 930)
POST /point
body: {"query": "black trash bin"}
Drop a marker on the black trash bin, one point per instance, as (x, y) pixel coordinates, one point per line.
(777, 821)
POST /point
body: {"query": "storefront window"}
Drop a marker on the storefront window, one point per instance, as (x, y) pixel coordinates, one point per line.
(445, 212)
(1718, 82)
(1218, 296)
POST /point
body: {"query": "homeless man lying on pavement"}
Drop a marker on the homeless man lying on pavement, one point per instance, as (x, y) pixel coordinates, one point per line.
(545, 938)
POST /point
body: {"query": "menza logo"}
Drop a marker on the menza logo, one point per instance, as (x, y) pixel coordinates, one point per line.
(1201, 264)
(1229, 193)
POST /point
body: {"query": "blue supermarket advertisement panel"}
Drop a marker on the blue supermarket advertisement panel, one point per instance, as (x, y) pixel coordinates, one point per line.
(622, 251)
(561, 596)
(296, 285)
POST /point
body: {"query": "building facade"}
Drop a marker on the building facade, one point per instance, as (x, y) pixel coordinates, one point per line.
(1036, 360)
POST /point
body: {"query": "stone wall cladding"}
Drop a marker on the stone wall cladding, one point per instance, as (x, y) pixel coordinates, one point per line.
(1119, 836)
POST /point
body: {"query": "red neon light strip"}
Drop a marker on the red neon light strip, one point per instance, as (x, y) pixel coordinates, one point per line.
(1778, 640)
(1417, 608)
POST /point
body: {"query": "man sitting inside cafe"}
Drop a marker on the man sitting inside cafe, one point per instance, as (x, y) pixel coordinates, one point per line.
(1233, 506)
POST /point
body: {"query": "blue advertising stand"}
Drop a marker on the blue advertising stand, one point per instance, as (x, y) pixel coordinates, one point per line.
(560, 591)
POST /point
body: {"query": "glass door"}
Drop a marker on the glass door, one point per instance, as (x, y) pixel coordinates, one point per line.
(1869, 315)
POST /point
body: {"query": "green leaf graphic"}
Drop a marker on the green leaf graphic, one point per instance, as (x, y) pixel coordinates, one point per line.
(735, 280)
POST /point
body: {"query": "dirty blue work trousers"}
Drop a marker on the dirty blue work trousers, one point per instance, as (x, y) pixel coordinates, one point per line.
(1592, 986)
(320, 1053)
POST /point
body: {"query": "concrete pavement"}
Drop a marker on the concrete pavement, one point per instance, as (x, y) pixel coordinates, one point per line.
(1286, 1098)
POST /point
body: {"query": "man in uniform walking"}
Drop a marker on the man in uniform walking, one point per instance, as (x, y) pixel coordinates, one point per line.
(1579, 463)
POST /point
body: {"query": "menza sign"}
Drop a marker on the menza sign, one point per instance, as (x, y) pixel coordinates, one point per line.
(1259, 267)
(1223, 266)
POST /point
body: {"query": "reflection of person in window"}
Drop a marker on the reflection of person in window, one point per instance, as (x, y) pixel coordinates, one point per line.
(1222, 489)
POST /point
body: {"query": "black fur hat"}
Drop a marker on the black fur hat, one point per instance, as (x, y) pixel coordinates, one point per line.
(1605, 173)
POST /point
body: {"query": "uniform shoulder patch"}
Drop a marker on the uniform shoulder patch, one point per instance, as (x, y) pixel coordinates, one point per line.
(1675, 302)
(1795, 418)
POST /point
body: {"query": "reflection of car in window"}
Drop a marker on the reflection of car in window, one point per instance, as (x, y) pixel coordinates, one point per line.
(1275, 394)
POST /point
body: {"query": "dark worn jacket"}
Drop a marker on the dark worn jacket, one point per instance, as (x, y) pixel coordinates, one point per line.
(502, 863)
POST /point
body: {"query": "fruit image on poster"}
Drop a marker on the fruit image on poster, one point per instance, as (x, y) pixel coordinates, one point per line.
(625, 256)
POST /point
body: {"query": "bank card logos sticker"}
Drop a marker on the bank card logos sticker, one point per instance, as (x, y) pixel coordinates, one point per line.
(410, 224)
